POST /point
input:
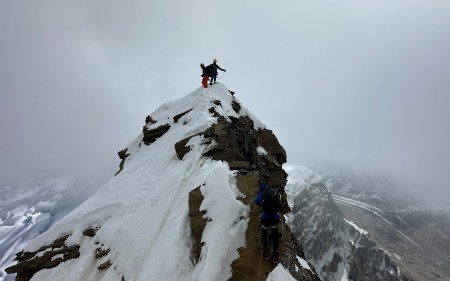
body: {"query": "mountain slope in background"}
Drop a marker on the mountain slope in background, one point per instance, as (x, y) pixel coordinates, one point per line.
(337, 248)
(180, 207)
(28, 212)
(368, 187)
(414, 234)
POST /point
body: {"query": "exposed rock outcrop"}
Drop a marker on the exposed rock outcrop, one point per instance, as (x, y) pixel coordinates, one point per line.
(50, 256)
(46, 257)
(104, 265)
(153, 134)
(197, 221)
(178, 116)
(100, 252)
(149, 120)
(90, 231)
(237, 143)
(122, 155)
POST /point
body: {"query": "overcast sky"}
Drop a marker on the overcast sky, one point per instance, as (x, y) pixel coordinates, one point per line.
(361, 84)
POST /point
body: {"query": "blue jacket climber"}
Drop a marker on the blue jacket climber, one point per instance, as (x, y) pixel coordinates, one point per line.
(269, 199)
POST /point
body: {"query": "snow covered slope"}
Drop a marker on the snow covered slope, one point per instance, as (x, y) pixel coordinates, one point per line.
(414, 233)
(138, 226)
(27, 212)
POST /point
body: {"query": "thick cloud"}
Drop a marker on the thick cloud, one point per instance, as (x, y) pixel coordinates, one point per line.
(358, 84)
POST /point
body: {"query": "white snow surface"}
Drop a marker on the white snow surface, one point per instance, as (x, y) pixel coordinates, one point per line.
(26, 212)
(345, 275)
(303, 263)
(142, 213)
(261, 150)
(280, 273)
(359, 229)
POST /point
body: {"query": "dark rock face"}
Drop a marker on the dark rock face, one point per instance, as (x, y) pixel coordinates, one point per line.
(236, 106)
(178, 116)
(270, 143)
(90, 231)
(332, 244)
(149, 120)
(289, 260)
(46, 257)
(197, 221)
(100, 252)
(239, 165)
(236, 142)
(152, 135)
(181, 149)
(104, 265)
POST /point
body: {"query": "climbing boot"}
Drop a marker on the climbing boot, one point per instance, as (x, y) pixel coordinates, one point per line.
(276, 257)
(266, 254)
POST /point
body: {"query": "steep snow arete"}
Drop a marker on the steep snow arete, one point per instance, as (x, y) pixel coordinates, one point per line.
(137, 226)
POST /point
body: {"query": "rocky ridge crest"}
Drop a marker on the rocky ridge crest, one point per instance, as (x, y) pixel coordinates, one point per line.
(253, 154)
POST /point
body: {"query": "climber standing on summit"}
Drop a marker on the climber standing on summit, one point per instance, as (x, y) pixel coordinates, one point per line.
(269, 199)
(206, 73)
(214, 71)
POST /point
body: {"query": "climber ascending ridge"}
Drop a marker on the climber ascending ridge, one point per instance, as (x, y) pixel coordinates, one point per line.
(269, 199)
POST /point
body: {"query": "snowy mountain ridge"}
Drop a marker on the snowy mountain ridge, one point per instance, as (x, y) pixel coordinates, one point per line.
(204, 149)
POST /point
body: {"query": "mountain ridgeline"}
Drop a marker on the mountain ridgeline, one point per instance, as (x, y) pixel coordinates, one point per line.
(337, 247)
(180, 207)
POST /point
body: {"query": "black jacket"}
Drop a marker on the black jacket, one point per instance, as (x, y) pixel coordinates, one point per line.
(214, 68)
(208, 70)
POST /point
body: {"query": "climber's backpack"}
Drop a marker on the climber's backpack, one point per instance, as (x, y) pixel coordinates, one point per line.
(271, 200)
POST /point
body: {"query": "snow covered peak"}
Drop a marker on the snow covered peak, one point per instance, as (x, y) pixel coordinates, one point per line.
(302, 175)
(299, 178)
(192, 114)
(180, 208)
(199, 102)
